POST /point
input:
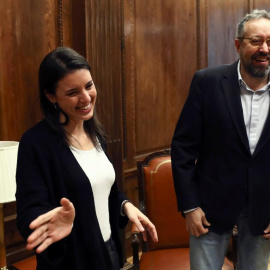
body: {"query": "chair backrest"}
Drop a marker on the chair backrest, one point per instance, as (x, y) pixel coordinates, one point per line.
(158, 201)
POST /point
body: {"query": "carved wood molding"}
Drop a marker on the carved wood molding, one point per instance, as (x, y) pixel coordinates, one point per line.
(202, 29)
(128, 72)
(60, 22)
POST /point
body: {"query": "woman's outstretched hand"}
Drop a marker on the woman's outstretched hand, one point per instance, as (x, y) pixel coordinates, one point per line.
(141, 221)
(52, 226)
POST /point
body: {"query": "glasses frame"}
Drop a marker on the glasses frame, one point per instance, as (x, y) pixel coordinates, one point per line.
(262, 41)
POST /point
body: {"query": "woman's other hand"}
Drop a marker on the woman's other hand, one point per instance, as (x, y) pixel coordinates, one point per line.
(141, 221)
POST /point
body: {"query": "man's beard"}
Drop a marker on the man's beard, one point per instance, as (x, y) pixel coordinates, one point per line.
(257, 72)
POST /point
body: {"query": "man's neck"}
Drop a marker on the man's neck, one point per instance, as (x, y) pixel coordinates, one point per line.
(254, 83)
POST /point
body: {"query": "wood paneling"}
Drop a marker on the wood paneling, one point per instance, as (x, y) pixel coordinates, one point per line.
(160, 57)
(223, 17)
(260, 4)
(143, 56)
(65, 16)
(159, 37)
(27, 32)
(202, 33)
(78, 26)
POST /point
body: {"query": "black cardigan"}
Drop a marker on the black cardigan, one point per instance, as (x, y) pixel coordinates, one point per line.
(46, 172)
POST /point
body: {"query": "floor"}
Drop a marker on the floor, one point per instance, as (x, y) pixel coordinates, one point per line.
(30, 264)
(27, 264)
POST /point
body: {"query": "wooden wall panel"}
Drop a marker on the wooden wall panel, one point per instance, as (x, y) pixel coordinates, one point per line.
(223, 17)
(65, 23)
(260, 4)
(27, 33)
(202, 33)
(163, 68)
(78, 26)
(160, 58)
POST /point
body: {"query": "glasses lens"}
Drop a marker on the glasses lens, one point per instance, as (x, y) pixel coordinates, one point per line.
(256, 41)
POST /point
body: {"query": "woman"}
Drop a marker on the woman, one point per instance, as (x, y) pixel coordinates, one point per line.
(62, 159)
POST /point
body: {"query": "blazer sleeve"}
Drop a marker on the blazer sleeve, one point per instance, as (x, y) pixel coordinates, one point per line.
(32, 194)
(185, 147)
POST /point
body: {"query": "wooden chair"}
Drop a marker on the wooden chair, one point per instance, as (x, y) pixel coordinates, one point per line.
(158, 202)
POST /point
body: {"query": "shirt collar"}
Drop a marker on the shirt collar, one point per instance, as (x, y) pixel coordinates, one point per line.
(242, 82)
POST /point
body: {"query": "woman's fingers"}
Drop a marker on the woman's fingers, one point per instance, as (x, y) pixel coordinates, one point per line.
(141, 221)
(36, 239)
(151, 229)
(37, 233)
(43, 219)
(46, 243)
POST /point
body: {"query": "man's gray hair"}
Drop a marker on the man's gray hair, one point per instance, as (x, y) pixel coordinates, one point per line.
(254, 15)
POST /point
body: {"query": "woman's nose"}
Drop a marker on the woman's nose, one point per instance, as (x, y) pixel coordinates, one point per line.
(85, 96)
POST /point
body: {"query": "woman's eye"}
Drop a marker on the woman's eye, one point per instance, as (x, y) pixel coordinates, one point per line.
(71, 93)
(89, 86)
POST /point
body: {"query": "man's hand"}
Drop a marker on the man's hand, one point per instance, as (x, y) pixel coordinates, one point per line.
(195, 222)
(52, 226)
(267, 232)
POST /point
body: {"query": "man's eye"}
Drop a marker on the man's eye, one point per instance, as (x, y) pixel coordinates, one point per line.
(256, 42)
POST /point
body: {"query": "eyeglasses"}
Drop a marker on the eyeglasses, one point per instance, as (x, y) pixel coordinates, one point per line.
(258, 41)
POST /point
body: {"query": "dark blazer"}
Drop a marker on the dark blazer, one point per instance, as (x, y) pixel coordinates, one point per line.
(48, 171)
(211, 160)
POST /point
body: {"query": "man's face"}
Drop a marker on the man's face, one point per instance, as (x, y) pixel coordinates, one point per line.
(255, 60)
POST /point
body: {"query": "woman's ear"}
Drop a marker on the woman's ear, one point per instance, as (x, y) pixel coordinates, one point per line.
(51, 98)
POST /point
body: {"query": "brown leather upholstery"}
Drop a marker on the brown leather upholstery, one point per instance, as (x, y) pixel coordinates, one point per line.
(158, 202)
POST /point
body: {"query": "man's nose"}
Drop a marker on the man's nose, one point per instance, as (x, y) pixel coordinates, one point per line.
(264, 47)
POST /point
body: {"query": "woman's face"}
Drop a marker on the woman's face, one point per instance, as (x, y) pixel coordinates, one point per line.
(76, 95)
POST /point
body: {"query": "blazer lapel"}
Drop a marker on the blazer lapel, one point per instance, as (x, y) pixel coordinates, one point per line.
(231, 91)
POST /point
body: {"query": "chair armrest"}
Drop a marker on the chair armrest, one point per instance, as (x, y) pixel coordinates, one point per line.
(135, 241)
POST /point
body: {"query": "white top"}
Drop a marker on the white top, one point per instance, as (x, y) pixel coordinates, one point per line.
(101, 175)
(255, 106)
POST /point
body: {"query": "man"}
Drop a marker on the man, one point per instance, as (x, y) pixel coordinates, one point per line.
(221, 154)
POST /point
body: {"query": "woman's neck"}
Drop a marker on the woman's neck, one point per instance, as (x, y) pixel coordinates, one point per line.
(78, 137)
